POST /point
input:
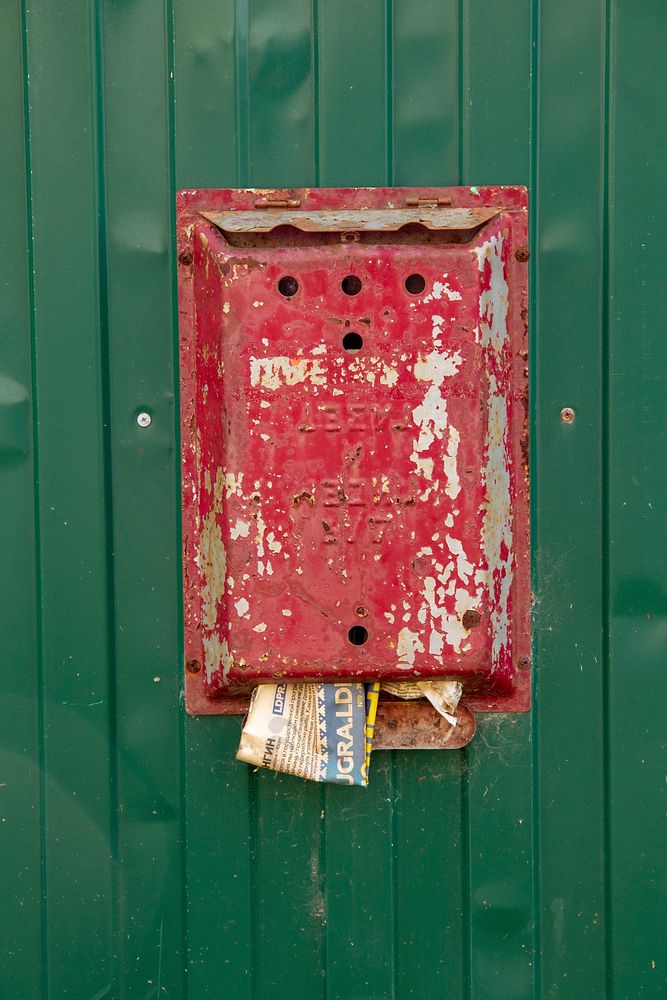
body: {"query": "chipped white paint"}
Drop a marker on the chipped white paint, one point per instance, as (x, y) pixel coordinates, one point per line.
(217, 658)
(464, 567)
(272, 542)
(441, 288)
(287, 613)
(370, 369)
(453, 487)
(240, 529)
(423, 465)
(261, 627)
(320, 349)
(431, 418)
(212, 560)
(437, 366)
(277, 372)
(435, 643)
(497, 520)
(230, 482)
(445, 626)
(389, 375)
(407, 647)
(493, 301)
(242, 607)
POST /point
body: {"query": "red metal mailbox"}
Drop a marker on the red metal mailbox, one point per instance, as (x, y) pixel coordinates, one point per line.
(354, 439)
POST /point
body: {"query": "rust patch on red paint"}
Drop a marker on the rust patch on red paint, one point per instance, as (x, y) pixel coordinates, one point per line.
(355, 449)
(471, 619)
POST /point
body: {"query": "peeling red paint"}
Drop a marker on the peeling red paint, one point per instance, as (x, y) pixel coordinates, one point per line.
(354, 479)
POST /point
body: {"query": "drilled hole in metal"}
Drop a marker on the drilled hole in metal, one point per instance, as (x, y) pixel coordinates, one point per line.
(357, 635)
(353, 342)
(351, 285)
(414, 283)
(288, 286)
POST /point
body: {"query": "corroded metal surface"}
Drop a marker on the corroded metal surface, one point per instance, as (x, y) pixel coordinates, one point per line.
(354, 447)
(417, 726)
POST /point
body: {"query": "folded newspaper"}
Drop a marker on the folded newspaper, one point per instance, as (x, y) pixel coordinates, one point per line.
(324, 732)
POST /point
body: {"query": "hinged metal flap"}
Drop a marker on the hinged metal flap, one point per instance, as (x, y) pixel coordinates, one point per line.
(371, 220)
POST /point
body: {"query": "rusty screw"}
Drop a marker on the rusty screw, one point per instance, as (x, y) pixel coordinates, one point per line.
(471, 619)
(522, 254)
(192, 666)
(567, 415)
(524, 662)
(185, 257)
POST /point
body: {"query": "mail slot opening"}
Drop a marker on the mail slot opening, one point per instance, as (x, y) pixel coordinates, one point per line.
(357, 635)
(353, 342)
(291, 236)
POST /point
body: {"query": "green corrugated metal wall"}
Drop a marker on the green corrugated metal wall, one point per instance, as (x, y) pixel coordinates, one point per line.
(137, 858)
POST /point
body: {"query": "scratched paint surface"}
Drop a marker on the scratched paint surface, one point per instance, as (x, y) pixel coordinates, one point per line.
(354, 450)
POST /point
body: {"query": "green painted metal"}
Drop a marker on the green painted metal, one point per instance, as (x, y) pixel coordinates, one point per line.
(137, 858)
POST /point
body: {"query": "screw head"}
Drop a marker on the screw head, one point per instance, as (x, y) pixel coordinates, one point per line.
(567, 415)
(192, 666)
(522, 254)
(471, 619)
(144, 419)
(185, 258)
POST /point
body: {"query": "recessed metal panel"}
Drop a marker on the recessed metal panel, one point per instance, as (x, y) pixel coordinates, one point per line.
(354, 439)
